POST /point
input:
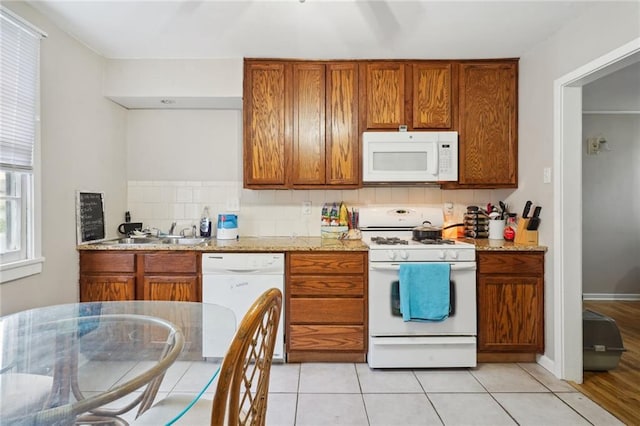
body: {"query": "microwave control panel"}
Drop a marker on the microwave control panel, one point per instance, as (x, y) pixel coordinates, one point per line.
(447, 161)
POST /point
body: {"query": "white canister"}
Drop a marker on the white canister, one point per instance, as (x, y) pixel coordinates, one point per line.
(227, 227)
(496, 229)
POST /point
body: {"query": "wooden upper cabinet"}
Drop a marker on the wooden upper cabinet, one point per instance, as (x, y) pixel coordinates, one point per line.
(418, 94)
(488, 133)
(342, 137)
(384, 94)
(433, 95)
(266, 123)
(308, 166)
(301, 129)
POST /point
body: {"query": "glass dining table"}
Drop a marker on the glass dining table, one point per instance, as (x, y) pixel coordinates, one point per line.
(72, 363)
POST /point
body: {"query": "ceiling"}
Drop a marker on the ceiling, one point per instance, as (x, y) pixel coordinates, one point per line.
(311, 29)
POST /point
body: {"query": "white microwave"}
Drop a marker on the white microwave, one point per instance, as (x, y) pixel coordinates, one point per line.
(409, 156)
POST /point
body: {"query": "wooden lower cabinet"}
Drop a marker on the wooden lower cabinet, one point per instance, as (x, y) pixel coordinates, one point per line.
(510, 306)
(111, 276)
(170, 276)
(326, 306)
(107, 276)
(136, 275)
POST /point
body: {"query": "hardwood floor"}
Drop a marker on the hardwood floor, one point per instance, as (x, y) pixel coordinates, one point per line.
(618, 390)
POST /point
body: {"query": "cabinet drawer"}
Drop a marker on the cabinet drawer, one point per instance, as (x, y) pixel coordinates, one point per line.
(511, 263)
(107, 262)
(327, 263)
(171, 262)
(326, 337)
(330, 285)
(326, 311)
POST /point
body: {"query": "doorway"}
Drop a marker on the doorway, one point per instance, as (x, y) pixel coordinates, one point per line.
(568, 200)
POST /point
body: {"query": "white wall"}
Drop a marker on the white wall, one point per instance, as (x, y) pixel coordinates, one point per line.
(191, 145)
(601, 29)
(174, 77)
(82, 147)
(611, 207)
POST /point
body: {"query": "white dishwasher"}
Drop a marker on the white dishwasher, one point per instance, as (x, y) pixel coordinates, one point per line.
(235, 280)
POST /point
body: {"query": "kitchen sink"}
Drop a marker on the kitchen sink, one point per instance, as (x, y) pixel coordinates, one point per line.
(133, 241)
(184, 241)
(154, 240)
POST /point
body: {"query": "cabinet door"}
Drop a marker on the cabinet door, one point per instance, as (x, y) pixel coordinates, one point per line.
(343, 139)
(107, 288)
(432, 96)
(384, 92)
(177, 288)
(170, 276)
(266, 106)
(308, 150)
(488, 125)
(510, 313)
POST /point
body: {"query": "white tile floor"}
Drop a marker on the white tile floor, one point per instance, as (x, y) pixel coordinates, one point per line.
(353, 394)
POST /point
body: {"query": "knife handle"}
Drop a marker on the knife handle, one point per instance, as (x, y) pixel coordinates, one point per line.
(536, 211)
(527, 207)
(533, 224)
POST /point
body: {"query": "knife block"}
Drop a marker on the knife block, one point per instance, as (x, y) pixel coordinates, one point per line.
(524, 236)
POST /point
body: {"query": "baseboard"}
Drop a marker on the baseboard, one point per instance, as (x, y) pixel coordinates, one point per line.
(610, 296)
(548, 364)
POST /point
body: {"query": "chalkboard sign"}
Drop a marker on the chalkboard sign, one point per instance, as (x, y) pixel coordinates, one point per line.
(90, 216)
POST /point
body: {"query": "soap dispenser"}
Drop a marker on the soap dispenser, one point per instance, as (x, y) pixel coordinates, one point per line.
(205, 223)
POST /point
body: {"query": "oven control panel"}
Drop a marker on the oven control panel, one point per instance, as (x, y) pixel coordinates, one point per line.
(431, 255)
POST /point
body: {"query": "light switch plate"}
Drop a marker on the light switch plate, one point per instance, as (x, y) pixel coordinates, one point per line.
(546, 175)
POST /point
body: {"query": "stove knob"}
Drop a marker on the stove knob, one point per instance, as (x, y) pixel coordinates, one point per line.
(454, 254)
(441, 254)
(391, 254)
(404, 255)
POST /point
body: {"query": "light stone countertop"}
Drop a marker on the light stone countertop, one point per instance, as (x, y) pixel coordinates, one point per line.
(485, 244)
(243, 244)
(274, 244)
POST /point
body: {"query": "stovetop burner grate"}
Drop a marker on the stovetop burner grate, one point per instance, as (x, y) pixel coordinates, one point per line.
(389, 241)
(435, 241)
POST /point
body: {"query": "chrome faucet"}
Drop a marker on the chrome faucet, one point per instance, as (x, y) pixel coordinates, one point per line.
(173, 228)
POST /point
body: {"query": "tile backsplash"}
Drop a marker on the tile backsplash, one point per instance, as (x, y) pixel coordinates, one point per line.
(273, 212)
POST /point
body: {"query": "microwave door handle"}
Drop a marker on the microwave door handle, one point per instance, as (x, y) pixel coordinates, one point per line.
(434, 160)
(396, 266)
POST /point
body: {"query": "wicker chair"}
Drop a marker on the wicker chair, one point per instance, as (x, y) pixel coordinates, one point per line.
(243, 382)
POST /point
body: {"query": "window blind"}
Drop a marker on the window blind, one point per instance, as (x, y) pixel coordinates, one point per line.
(19, 63)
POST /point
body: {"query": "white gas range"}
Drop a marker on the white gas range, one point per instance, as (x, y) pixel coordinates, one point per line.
(394, 342)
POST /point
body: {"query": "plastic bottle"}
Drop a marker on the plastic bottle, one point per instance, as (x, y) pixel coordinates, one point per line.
(205, 223)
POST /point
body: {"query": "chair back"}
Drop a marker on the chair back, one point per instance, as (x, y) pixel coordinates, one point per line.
(243, 383)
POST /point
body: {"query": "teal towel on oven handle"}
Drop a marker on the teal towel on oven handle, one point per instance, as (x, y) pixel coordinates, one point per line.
(424, 291)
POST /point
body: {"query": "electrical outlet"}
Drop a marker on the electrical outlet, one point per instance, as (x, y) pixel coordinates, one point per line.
(233, 204)
(306, 207)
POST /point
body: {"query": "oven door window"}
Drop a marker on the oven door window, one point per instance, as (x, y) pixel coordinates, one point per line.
(395, 299)
(383, 300)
